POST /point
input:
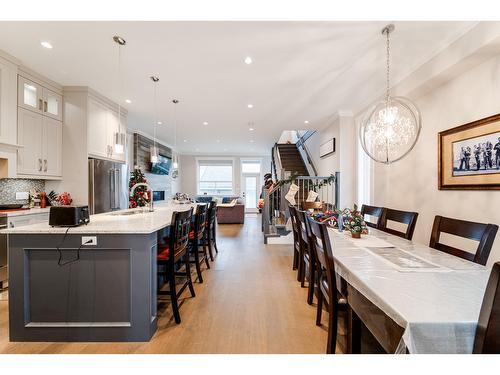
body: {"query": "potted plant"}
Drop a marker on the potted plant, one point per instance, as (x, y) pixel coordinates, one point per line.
(354, 221)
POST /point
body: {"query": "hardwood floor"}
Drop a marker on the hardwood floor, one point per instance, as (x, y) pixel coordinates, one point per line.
(250, 302)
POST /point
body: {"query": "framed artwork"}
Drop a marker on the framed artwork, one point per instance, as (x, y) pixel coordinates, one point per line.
(469, 156)
(327, 148)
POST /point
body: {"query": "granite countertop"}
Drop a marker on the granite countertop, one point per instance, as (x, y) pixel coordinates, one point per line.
(141, 222)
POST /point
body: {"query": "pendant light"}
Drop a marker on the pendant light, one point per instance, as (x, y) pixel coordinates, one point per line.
(175, 159)
(119, 137)
(391, 127)
(154, 149)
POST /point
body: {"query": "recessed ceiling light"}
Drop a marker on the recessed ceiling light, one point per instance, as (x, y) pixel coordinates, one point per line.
(248, 60)
(128, 101)
(251, 140)
(250, 105)
(159, 123)
(46, 44)
(205, 122)
(185, 140)
(251, 129)
(306, 122)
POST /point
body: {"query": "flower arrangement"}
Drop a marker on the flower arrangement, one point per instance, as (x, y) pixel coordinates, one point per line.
(353, 221)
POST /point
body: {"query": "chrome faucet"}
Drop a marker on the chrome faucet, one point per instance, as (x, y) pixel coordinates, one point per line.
(132, 189)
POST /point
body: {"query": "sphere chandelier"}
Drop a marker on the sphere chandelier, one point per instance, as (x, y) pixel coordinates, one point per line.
(391, 127)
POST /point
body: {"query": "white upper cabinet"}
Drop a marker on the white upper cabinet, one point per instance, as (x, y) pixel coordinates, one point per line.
(52, 104)
(98, 142)
(8, 102)
(102, 126)
(39, 129)
(52, 147)
(39, 99)
(30, 95)
(30, 132)
(41, 137)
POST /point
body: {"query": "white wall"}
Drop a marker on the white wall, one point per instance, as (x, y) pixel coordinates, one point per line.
(188, 170)
(412, 183)
(328, 164)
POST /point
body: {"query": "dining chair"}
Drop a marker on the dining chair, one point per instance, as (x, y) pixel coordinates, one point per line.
(403, 217)
(209, 236)
(483, 233)
(301, 246)
(488, 326)
(308, 258)
(175, 250)
(296, 243)
(327, 283)
(196, 239)
(372, 211)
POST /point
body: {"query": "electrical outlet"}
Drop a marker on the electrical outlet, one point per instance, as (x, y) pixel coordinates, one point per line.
(22, 195)
(89, 240)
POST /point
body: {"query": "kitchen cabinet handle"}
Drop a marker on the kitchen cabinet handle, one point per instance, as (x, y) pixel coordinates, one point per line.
(45, 165)
(39, 165)
(45, 106)
(40, 104)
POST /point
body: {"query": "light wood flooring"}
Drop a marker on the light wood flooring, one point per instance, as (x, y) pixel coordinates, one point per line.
(250, 302)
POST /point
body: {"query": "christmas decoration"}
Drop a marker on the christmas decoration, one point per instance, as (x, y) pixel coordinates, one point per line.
(141, 196)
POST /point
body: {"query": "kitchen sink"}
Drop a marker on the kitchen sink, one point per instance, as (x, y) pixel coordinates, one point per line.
(125, 213)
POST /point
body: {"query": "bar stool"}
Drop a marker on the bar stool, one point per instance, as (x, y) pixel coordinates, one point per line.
(209, 237)
(175, 250)
(196, 239)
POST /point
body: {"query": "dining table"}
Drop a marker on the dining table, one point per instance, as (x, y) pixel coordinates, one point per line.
(412, 298)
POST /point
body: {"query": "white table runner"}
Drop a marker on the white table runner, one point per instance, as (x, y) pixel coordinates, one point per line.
(438, 310)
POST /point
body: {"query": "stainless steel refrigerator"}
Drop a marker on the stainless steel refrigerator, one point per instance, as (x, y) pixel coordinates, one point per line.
(108, 186)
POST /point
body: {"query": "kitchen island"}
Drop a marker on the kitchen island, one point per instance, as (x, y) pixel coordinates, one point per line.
(95, 282)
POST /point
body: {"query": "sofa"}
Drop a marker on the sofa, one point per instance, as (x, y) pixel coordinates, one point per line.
(231, 215)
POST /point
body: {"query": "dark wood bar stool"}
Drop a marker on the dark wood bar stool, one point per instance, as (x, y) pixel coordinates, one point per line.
(209, 238)
(488, 327)
(308, 258)
(483, 233)
(296, 243)
(196, 239)
(403, 217)
(327, 282)
(175, 250)
(372, 211)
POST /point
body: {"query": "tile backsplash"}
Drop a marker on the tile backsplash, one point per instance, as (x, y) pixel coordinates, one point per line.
(10, 186)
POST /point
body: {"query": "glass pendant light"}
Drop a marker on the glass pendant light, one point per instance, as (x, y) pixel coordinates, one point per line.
(119, 137)
(154, 149)
(175, 159)
(391, 127)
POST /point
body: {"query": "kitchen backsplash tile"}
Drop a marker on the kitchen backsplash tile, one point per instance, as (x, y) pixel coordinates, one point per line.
(9, 187)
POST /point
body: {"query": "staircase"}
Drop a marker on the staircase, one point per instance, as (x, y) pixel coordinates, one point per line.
(291, 160)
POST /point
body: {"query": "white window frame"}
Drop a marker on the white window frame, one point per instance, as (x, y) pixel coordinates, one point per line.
(220, 159)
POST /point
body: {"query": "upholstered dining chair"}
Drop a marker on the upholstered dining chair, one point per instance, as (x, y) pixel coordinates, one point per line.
(483, 233)
(488, 327)
(209, 238)
(175, 250)
(327, 283)
(403, 217)
(372, 211)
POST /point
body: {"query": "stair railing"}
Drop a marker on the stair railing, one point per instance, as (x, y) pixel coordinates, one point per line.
(304, 152)
(275, 212)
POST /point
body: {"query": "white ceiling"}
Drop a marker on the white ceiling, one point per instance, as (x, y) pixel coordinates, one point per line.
(301, 71)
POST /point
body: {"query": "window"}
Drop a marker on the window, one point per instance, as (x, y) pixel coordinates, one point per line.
(250, 166)
(215, 177)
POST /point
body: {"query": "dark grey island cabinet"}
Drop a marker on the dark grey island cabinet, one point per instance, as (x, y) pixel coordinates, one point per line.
(105, 292)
